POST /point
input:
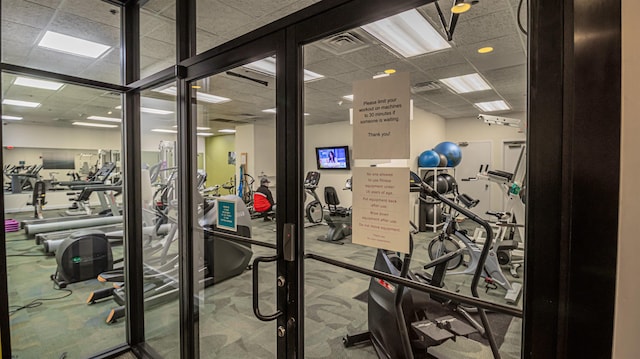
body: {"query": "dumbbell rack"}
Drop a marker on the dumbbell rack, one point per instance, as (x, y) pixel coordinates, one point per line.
(435, 225)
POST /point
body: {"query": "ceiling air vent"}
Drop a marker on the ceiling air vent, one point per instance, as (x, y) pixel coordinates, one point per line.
(342, 43)
(425, 86)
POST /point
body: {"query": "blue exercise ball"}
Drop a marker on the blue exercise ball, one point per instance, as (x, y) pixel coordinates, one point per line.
(428, 158)
(451, 151)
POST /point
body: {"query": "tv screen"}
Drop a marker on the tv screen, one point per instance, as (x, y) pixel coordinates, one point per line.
(333, 158)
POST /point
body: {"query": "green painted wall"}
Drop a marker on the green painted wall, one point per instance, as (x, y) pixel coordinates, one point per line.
(217, 150)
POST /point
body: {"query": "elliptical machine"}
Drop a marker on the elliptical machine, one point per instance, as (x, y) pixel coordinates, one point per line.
(313, 210)
(400, 326)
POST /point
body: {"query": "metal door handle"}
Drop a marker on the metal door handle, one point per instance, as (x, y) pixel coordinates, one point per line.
(256, 307)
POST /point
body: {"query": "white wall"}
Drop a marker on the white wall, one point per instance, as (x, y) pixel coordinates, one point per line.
(31, 141)
(627, 312)
(472, 129)
(427, 130)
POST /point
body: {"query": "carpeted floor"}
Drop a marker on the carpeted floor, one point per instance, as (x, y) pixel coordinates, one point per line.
(227, 326)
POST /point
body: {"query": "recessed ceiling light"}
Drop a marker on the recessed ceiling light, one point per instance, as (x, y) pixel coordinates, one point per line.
(204, 134)
(460, 8)
(348, 97)
(204, 97)
(162, 130)
(20, 103)
(89, 124)
(72, 45)
(106, 119)
(196, 87)
(14, 118)
(41, 84)
(390, 71)
(485, 50)
(466, 83)
(267, 67)
(492, 106)
(408, 33)
(227, 130)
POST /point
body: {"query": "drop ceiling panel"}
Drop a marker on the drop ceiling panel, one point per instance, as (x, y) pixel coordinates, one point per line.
(479, 29)
(442, 58)
(19, 34)
(158, 5)
(490, 22)
(450, 71)
(369, 57)
(332, 67)
(86, 29)
(312, 54)
(27, 13)
(94, 10)
(218, 18)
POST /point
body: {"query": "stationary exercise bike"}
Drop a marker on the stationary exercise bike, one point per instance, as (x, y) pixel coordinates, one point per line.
(313, 210)
(448, 241)
(339, 218)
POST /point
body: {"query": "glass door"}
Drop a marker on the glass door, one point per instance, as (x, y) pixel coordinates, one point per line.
(396, 241)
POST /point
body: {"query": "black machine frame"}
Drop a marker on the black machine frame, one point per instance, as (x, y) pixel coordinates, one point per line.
(568, 95)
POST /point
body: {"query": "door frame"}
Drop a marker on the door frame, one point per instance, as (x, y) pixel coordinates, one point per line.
(568, 96)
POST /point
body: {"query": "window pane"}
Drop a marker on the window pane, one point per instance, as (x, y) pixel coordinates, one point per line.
(74, 37)
(55, 146)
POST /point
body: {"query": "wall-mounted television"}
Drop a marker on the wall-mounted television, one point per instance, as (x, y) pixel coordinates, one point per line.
(333, 158)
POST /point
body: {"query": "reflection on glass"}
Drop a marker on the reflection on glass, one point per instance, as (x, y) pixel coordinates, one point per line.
(235, 192)
(236, 18)
(63, 183)
(160, 222)
(157, 36)
(80, 38)
(451, 148)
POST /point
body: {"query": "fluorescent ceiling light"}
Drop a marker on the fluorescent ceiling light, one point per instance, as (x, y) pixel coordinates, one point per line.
(197, 128)
(348, 97)
(380, 75)
(204, 134)
(72, 45)
(267, 67)
(15, 118)
(408, 33)
(492, 106)
(20, 103)
(162, 130)
(154, 111)
(205, 97)
(227, 130)
(106, 119)
(89, 124)
(41, 84)
(466, 83)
